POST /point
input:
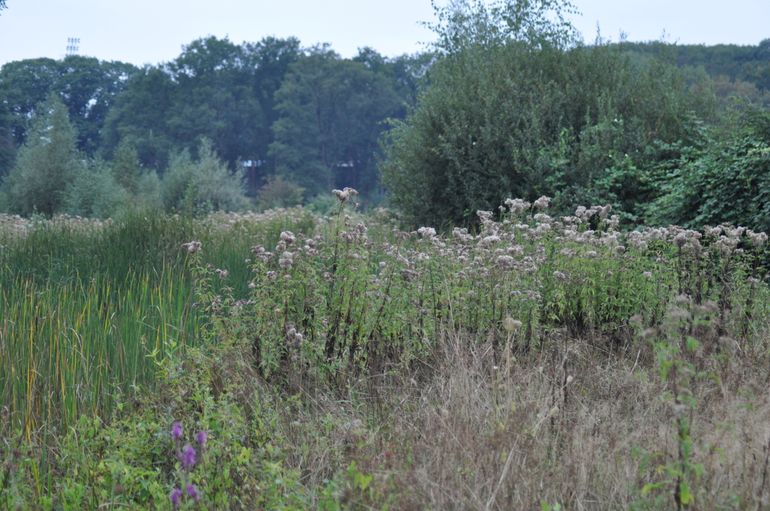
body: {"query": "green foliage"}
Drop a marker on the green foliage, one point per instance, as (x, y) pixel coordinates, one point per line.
(87, 86)
(94, 192)
(677, 353)
(724, 179)
(68, 285)
(510, 104)
(132, 461)
(7, 145)
(202, 185)
(148, 195)
(214, 97)
(331, 113)
(323, 204)
(511, 110)
(139, 115)
(279, 193)
(125, 166)
(47, 164)
(747, 65)
(214, 89)
(469, 23)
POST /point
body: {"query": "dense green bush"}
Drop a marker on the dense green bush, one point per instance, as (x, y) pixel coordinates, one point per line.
(726, 178)
(522, 112)
(94, 192)
(279, 193)
(202, 185)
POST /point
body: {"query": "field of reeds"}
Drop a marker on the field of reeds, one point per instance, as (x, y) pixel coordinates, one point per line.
(286, 361)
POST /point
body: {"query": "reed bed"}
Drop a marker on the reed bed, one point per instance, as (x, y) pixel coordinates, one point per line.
(90, 310)
(66, 350)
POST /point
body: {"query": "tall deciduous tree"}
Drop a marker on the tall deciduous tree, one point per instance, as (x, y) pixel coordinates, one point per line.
(7, 145)
(140, 114)
(87, 86)
(214, 89)
(332, 112)
(214, 98)
(270, 59)
(25, 85)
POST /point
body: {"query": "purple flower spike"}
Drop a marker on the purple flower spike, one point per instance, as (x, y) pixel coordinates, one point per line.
(193, 493)
(176, 497)
(188, 457)
(176, 430)
(202, 437)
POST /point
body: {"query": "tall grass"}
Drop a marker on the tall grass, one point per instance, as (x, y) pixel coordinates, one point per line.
(66, 349)
(90, 310)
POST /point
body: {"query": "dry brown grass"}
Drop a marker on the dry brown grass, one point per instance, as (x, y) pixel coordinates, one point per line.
(566, 424)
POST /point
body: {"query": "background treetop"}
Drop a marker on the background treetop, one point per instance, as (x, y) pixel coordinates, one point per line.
(488, 24)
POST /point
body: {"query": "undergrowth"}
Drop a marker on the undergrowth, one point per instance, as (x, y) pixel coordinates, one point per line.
(342, 363)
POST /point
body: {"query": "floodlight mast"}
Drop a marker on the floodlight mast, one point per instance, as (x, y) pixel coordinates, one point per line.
(73, 46)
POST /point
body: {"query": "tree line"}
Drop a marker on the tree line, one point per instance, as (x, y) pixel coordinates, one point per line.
(270, 109)
(507, 102)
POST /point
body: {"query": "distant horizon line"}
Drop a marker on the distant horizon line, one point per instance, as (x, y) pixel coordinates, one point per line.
(585, 41)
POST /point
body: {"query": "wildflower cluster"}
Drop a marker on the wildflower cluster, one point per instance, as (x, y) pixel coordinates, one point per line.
(188, 457)
(353, 298)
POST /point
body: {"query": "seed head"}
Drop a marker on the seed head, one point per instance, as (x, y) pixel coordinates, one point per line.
(192, 247)
(286, 260)
(757, 238)
(510, 324)
(344, 194)
(426, 232)
(542, 203)
(288, 237)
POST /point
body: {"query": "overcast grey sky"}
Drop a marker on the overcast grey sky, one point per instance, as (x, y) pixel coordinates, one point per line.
(152, 31)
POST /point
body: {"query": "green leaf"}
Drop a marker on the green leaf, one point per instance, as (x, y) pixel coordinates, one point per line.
(650, 487)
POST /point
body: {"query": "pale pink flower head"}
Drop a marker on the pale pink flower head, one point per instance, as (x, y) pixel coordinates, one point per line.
(192, 247)
(542, 202)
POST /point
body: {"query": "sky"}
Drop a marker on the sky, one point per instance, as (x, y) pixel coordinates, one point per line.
(154, 31)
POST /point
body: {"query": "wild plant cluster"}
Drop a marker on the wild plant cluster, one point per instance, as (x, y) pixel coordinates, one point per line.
(354, 300)
(92, 310)
(362, 306)
(345, 363)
